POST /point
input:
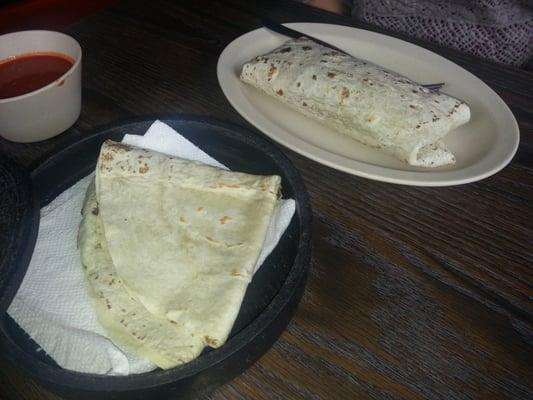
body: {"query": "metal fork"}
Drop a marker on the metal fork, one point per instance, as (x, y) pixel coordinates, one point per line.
(434, 86)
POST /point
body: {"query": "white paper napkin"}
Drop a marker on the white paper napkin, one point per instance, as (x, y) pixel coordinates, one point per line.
(52, 304)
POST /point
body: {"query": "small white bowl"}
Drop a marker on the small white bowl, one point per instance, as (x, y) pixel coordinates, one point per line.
(52, 109)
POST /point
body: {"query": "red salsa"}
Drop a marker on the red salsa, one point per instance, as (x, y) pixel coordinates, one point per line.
(28, 72)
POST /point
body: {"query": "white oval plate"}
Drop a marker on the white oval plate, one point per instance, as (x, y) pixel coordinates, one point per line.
(482, 147)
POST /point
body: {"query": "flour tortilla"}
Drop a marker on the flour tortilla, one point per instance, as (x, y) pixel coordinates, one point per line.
(183, 239)
(377, 107)
(125, 319)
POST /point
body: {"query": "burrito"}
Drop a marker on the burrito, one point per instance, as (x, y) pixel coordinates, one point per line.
(375, 106)
(169, 247)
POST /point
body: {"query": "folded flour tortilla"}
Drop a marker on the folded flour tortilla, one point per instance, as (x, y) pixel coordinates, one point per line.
(125, 319)
(377, 107)
(169, 247)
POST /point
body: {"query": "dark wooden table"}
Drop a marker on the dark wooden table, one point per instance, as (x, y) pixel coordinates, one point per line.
(413, 292)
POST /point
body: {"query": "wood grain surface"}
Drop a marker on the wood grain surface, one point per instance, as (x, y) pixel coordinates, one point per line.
(414, 293)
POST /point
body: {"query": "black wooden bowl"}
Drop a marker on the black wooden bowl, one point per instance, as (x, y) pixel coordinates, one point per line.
(270, 299)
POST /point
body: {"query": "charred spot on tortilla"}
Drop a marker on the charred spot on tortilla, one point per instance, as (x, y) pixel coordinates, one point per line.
(118, 146)
(271, 71)
(345, 92)
(210, 341)
(225, 219)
